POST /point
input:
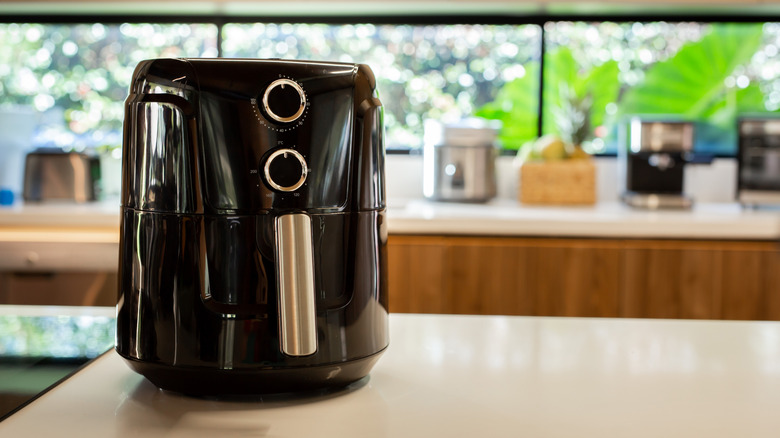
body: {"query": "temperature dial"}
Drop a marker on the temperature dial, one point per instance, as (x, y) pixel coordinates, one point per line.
(284, 100)
(285, 170)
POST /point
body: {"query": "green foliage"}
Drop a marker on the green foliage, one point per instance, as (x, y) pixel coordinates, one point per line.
(602, 83)
(55, 336)
(438, 72)
(516, 107)
(575, 100)
(692, 83)
(708, 79)
(85, 69)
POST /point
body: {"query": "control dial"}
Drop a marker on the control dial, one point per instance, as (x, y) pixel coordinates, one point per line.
(285, 170)
(284, 100)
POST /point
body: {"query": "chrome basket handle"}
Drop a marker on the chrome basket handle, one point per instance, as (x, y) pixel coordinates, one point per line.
(295, 280)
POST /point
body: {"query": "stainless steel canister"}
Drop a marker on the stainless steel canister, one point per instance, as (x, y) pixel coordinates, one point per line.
(459, 161)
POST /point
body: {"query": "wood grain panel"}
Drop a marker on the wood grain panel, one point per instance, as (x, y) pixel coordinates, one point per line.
(575, 281)
(551, 277)
(585, 277)
(487, 279)
(514, 276)
(58, 289)
(670, 283)
(751, 284)
(772, 284)
(415, 267)
(700, 279)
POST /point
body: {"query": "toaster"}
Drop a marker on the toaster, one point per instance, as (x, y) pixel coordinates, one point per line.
(60, 176)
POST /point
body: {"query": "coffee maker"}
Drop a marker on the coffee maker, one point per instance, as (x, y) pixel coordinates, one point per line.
(652, 162)
(253, 228)
(758, 159)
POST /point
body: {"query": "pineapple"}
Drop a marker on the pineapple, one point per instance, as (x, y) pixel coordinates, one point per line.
(572, 119)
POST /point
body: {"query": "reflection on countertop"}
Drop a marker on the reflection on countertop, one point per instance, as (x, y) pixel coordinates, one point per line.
(40, 345)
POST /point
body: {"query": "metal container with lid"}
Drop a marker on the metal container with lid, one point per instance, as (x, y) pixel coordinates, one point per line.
(459, 160)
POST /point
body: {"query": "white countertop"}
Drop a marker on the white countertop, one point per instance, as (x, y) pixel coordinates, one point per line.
(470, 376)
(605, 219)
(62, 214)
(501, 217)
(60, 236)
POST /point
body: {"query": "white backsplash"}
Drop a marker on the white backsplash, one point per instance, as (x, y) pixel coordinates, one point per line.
(713, 183)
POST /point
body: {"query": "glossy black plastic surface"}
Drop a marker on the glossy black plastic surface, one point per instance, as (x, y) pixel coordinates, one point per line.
(757, 146)
(197, 277)
(198, 137)
(644, 177)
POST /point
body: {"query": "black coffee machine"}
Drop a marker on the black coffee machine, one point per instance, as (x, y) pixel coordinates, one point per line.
(252, 252)
(758, 159)
(652, 162)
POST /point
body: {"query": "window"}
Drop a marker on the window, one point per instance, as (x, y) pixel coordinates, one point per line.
(72, 79)
(705, 73)
(66, 83)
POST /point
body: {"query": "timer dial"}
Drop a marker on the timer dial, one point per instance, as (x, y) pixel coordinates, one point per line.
(285, 170)
(284, 100)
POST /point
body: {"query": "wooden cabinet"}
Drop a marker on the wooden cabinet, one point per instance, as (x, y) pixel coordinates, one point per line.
(416, 275)
(503, 276)
(584, 277)
(751, 283)
(703, 280)
(670, 281)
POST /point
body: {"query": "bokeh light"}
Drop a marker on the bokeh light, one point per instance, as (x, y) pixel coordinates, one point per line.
(440, 72)
(79, 75)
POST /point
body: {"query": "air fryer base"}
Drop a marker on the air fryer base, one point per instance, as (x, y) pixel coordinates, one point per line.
(220, 382)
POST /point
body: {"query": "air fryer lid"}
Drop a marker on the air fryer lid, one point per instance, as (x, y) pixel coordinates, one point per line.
(235, 118)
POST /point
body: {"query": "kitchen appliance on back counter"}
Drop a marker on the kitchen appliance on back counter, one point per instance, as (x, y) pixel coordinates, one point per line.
(758, 158)
(459, 160)
(253, 236)
(56, 175)
(653, 158)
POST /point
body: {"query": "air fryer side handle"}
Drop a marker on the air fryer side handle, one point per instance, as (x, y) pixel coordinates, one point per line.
(371, 155)
(295, 279)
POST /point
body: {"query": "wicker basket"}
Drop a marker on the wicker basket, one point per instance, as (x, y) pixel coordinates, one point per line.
(566, 182)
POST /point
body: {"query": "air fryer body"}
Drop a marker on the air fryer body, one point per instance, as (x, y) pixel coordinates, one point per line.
(252, 248)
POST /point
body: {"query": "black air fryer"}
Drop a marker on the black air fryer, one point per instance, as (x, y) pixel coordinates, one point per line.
(252, 251)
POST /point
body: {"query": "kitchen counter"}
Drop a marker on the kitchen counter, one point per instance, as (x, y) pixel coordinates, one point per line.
(67, 237)
(59, 236)
(104, 214)
(467, 376)
(498, 217)
(503, 217)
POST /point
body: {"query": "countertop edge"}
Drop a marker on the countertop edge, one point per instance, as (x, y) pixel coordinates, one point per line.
(99, 223)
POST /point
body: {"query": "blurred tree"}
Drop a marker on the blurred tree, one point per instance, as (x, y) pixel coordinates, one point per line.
(440, 72)
(84, 70)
